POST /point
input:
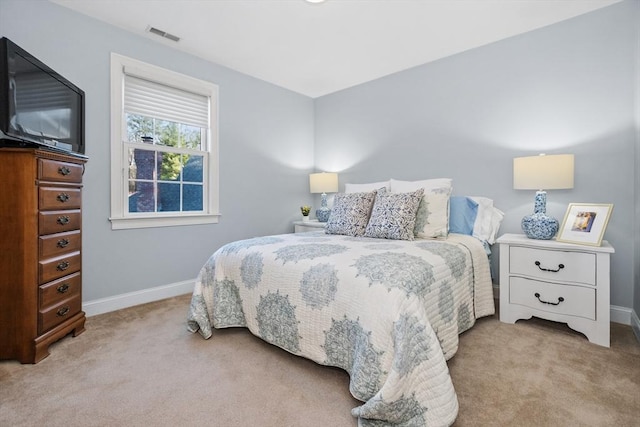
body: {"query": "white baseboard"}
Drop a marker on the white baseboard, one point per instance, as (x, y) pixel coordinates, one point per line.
(620, 314)
(635, 324)
(130, 299)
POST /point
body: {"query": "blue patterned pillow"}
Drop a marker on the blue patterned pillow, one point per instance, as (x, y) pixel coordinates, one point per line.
(394, 215)
(350, 213)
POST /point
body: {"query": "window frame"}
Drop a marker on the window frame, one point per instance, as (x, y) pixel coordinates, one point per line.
(120, 217)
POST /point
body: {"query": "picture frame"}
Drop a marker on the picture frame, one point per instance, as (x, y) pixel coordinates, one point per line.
(585, 223)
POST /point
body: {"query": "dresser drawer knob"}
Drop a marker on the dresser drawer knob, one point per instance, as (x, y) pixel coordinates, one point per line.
(63, 243)
(63, 197)
(537, 295)
(63, 311)
(62, 288)
(64, 171)
(63, 220)
(560, 267)
(63, 265)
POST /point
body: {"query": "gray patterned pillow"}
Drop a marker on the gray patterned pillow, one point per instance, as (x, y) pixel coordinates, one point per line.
(350, 213)
(394, 215)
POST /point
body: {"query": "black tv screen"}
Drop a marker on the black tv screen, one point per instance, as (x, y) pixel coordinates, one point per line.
(38, 106)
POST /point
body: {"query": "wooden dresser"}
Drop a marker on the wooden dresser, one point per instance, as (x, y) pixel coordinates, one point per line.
(40, 266)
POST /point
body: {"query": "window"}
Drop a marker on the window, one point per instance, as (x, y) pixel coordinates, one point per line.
(164, 148)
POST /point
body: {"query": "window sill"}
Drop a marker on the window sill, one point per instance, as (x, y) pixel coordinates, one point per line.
(162, 221)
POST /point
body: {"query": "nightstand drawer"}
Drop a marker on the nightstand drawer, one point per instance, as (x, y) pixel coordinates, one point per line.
(564, 266)
(568, 300)
(306, 226)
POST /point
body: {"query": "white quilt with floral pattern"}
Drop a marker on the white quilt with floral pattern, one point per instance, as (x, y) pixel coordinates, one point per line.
(388, 312)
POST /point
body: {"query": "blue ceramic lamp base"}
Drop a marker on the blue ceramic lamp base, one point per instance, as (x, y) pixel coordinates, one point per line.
(539, 225)
(323, 213)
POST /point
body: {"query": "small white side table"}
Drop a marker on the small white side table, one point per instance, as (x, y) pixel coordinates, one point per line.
(305, 226)
(557, 281)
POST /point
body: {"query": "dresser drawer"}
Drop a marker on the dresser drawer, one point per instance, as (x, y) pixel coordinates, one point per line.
(55, 170)
(54, 292)
(57, 244)
(51, 198)
(53, 268)
(51, 316)
(568, 300)
(552, 265)
(58, 221)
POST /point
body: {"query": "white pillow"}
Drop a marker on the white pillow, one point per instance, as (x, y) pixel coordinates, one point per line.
(398, 186)
(432, 219)
(496, 219)
(488, 221)
(365, 188)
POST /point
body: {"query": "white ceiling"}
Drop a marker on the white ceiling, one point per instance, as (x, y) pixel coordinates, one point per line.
(316, 49)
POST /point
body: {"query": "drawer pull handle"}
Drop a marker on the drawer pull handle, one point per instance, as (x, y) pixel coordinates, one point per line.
(63, 288)
(64, 171)
(63, 265)
(537, 295)
(63, 197)
(63, 243)
(63, 220)
(560, 267)
(62, 311)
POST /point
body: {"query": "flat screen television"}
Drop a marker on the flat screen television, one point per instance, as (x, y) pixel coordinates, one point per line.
(38, 107)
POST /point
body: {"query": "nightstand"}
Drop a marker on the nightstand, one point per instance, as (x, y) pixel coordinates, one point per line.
(557, 281)
(311, 225)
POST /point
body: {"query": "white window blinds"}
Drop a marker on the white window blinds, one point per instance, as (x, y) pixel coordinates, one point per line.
(154, 99)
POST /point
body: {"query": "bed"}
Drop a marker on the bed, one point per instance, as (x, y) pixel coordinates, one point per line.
(387, 311)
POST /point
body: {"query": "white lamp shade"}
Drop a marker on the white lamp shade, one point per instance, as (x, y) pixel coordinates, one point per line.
(543, 172)
(323, 182)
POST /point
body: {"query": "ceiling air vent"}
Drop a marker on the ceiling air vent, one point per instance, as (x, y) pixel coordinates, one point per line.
(163, 34)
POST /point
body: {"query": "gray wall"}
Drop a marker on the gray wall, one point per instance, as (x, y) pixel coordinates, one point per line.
(266, 150)
(636, 300)
(566, 88)
(570, 87)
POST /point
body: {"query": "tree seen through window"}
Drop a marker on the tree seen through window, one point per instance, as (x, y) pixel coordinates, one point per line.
(165, 165)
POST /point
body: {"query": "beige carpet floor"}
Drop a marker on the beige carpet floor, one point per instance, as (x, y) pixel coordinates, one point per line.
(140, 367)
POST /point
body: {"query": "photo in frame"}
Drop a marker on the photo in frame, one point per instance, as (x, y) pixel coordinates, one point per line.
(585, 223)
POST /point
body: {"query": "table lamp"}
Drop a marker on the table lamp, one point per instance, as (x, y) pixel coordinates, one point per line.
(542, 173)
(323, 182)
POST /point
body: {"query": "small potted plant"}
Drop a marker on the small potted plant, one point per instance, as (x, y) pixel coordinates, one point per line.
(306, 210)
